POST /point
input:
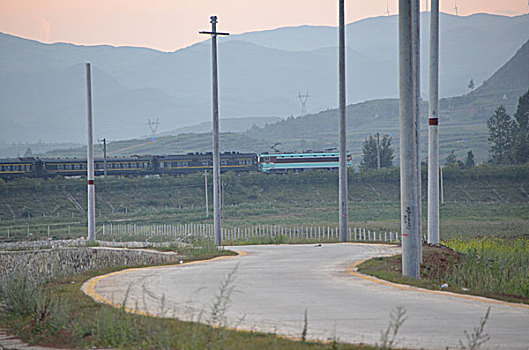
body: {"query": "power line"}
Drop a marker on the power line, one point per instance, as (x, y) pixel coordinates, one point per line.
(303, 100)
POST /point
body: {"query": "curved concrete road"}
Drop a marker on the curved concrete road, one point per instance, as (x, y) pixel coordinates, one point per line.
(274, 285)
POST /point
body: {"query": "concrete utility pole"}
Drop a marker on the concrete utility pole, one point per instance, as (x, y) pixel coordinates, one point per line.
(216, 152)
(343, 126)
(90, 160)
(104, 157)
(378, 151)
(433, 128)
(206, 192)
(416, 42)
(408, 147)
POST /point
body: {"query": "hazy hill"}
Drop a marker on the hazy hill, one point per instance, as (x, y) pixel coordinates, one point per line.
(462, 119)
(42, 86)
(512, 77)
(227, 125)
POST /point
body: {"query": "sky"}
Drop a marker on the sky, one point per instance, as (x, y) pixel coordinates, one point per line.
(168, 25)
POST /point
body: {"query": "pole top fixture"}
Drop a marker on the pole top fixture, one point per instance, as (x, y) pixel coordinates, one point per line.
(213, 19)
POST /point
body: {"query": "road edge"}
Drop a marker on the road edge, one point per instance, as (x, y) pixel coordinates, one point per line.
(353, 270)
(89, 287)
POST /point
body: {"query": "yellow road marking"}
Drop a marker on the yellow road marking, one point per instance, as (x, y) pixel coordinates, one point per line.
(352, 271)
(89, 287)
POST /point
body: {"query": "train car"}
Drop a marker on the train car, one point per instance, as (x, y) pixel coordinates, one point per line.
(115, 166)
(136, 165)
(20, 167)
(64, 166)
(285, 162)
(195, 162)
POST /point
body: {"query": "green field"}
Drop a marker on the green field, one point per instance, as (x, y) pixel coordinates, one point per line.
(483, 201)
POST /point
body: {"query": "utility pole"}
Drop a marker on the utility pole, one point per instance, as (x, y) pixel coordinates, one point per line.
(90, 160)
(433, 128)
(408, 148)
(104, 141)
(216, 152)
(303, 100)
(442, 186)
(416, 43)
(378, 151)
(342, 181)
(206, 192)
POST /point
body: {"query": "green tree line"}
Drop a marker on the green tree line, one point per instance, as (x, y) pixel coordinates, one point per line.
(509, 136)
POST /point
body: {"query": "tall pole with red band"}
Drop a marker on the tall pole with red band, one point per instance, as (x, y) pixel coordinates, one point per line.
(90, 160)
(433, 128)
(342, 177)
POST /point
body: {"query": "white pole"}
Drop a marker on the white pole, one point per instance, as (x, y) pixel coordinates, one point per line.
(216, 152)
(433, 128)
(90, 160)
(416, 44)
(408, 157)
(442, 185)
(343, 126)
(206, 192)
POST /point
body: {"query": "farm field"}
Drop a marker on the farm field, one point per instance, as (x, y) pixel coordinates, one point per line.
(486, 201)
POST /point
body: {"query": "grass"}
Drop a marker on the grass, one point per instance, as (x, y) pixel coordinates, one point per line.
(490, 267)
(478, 202)
(59, 314)
(457, 219)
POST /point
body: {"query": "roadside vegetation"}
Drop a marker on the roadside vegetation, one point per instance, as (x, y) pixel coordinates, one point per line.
(491, 267)
(59, 314)
(483, 200)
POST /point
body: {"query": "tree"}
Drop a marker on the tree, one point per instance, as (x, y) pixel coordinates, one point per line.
(521, 130)
(470, 160)
(451, 159)
(501, 138)
(369, 153)
(471, 85)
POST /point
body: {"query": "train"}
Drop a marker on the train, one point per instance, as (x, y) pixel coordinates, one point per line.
(170, 164)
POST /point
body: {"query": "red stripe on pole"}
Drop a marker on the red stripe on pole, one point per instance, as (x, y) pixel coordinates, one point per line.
(90, 182)
(405, 234)
(433, 121)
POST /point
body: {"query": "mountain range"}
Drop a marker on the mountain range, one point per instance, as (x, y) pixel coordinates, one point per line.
(42, 86)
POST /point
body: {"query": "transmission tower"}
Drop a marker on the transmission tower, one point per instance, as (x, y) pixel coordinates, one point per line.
(455, 8)
(387, 8)
(303, 99)
(153, 125)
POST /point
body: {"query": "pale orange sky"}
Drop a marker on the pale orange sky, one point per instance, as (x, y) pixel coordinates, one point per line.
(171, 24)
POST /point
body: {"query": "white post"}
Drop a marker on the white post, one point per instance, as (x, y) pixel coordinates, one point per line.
(442, 186)
(216, 152)
(416, 35)
(342, 179)
(433, 127)
(90, 160)
(408, 147)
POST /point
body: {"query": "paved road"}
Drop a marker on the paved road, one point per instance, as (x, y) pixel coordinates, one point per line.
(274, 285)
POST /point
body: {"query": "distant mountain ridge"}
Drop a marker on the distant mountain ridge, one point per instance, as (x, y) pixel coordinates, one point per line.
(514, 75)
(42, 86)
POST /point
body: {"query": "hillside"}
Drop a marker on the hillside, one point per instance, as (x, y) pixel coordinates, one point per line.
(463, 128)
(42, 86)
(513, 77)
